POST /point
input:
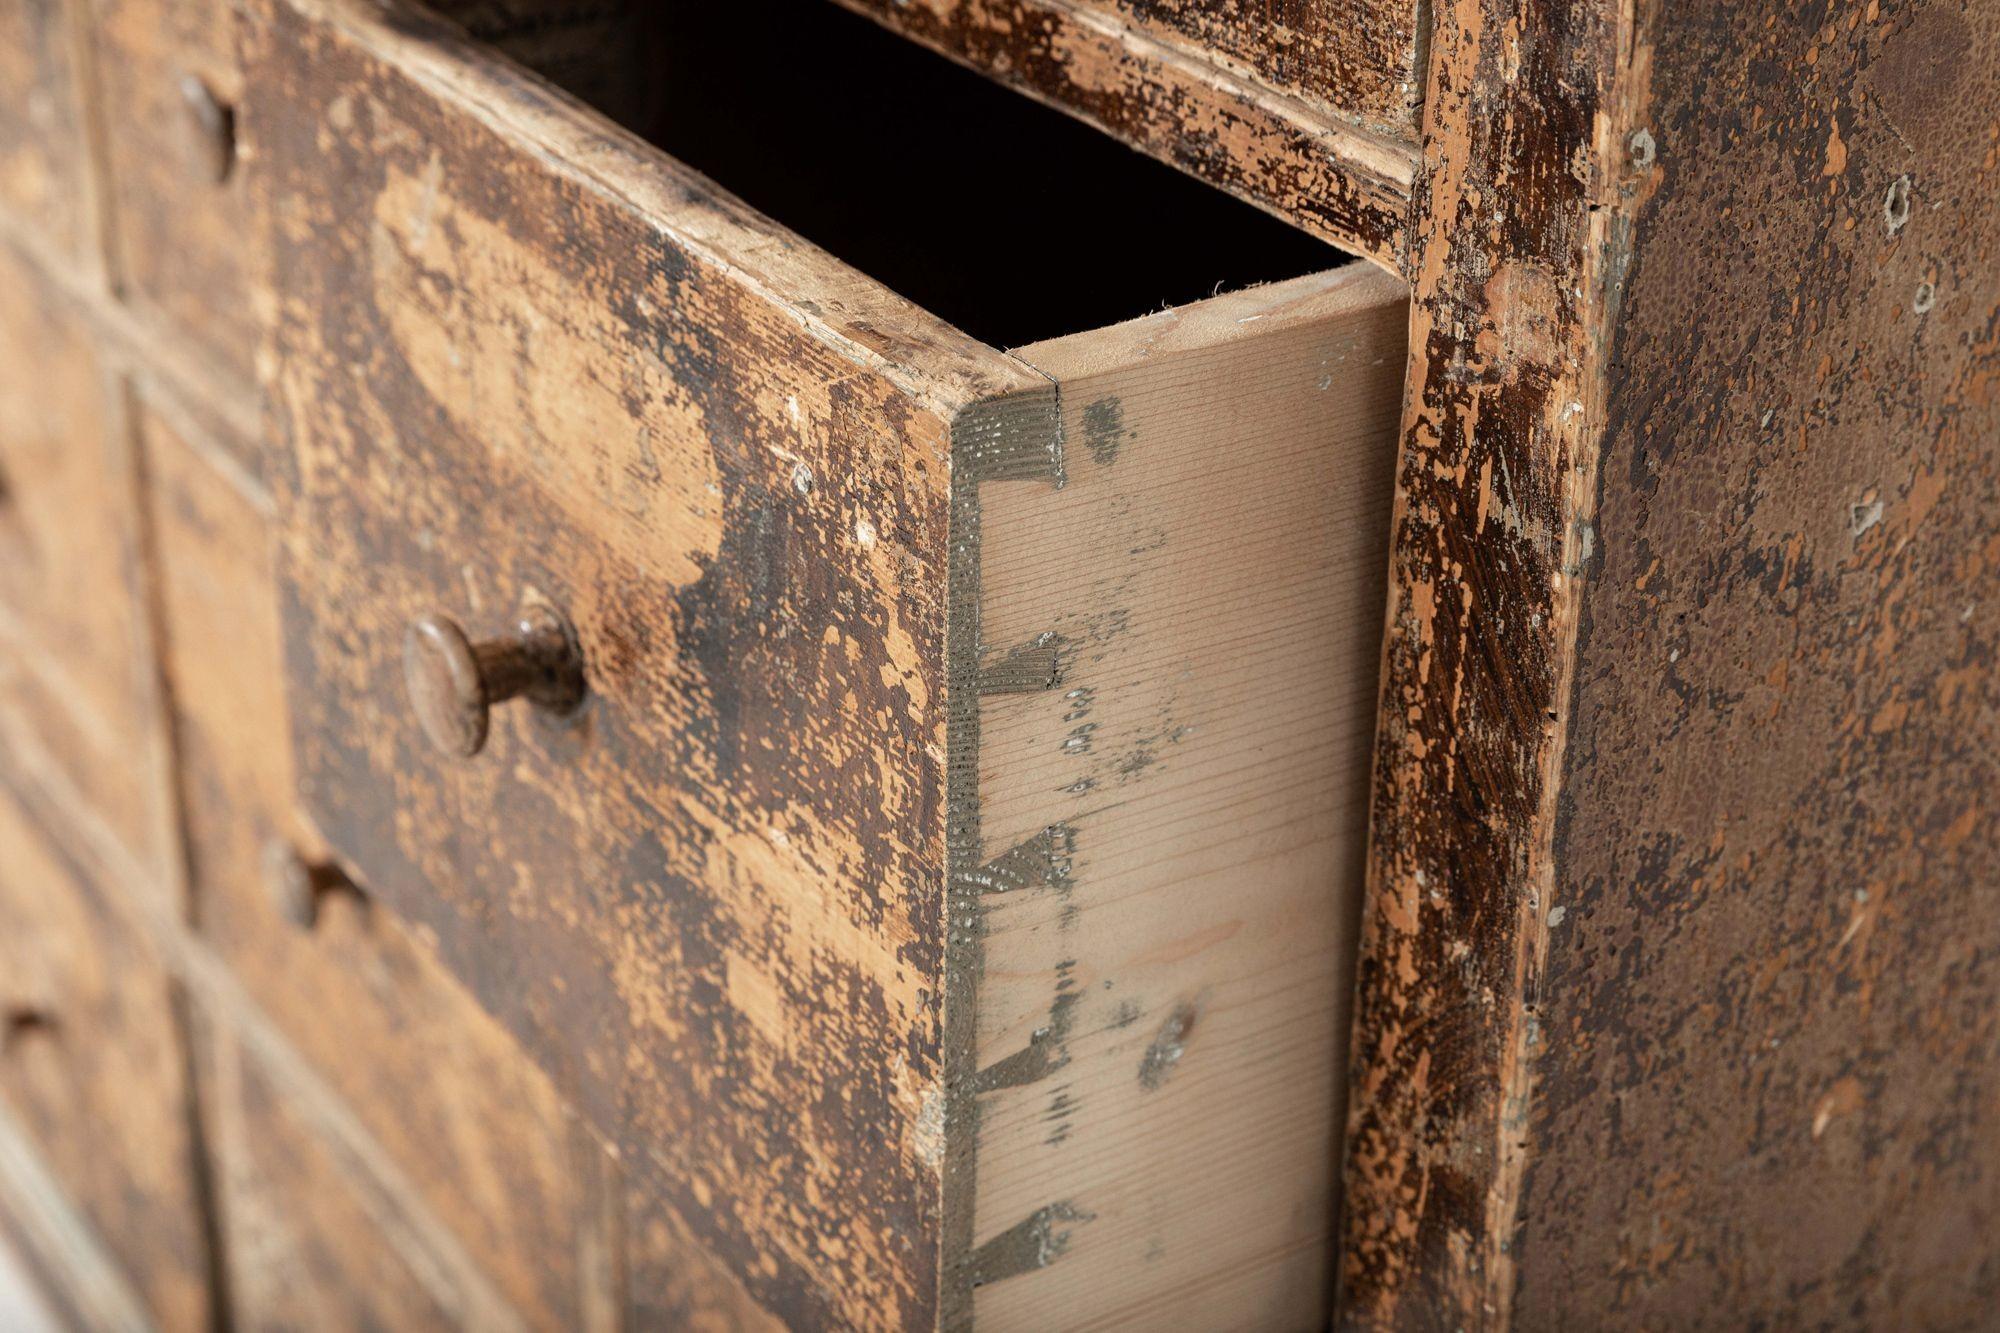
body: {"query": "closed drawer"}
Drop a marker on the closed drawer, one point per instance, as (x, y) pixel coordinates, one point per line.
(184, 244)
(187, 245)
(43, 172)
(474, 1127)
(76, 686)
(305, 1245)
(93, 1067)
(936, 796)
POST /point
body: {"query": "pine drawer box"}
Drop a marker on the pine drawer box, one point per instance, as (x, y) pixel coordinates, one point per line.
(924, 833)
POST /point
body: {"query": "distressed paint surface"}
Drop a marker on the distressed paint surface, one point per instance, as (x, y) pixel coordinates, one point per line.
(1340, 179)
(454, 1104)
(1514, 270)
(183, 242)
(1356, 60)
(710, 904)
(1771, 1047)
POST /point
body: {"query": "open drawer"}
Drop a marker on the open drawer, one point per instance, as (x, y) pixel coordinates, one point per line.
(927, 833)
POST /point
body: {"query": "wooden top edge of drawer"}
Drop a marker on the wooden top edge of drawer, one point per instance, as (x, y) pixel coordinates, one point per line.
(870, 324)
(1344, 170)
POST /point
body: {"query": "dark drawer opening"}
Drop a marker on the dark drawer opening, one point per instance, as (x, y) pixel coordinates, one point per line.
(1004, 216)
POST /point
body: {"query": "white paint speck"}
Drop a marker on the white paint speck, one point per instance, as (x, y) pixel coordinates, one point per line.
(864, 532)
(1556, 915)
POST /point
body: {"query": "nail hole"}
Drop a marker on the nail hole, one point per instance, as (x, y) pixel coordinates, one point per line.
(1896, 207)
(1643, 149)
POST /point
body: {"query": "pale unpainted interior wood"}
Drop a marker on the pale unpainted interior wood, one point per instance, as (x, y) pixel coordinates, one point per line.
(1209, 578)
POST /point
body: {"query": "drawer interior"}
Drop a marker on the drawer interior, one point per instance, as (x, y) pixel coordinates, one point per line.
(1005, 217)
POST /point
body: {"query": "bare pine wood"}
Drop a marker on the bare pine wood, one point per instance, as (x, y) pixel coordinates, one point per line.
(1178, 650)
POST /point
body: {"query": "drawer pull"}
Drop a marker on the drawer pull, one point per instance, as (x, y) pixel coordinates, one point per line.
(453, 682)
(211, 128)
(25, 1023)
(297, 887)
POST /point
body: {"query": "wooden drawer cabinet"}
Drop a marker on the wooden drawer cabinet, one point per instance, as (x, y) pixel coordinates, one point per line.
(895, 897)
(92, 1071)
(845, 704)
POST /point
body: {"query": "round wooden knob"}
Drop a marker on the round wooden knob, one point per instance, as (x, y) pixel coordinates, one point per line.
(453, 682)
(297, 887)
(24, 1023)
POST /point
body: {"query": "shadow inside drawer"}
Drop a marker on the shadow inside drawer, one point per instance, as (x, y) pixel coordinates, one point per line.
(1010, 219)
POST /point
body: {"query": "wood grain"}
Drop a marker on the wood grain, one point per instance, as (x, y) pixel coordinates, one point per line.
(1172, 810)
(1344, 178)
(1498, 468)
(474, 1126)
(93, 1069)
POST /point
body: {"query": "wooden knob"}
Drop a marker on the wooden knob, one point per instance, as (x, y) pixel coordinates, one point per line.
(297, 887)
(23, 1023)
(211, 128)
(453, 682)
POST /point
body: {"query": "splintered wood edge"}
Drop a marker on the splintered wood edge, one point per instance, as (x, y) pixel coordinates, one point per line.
(939, 366)
(1251, 313)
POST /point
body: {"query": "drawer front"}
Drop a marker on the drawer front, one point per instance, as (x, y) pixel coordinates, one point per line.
(303, 1249)
(75, 679)
(92, 1065)
(473, 1125)
(42, 163)
(185, 242)
(188, 244)
(707, 900)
